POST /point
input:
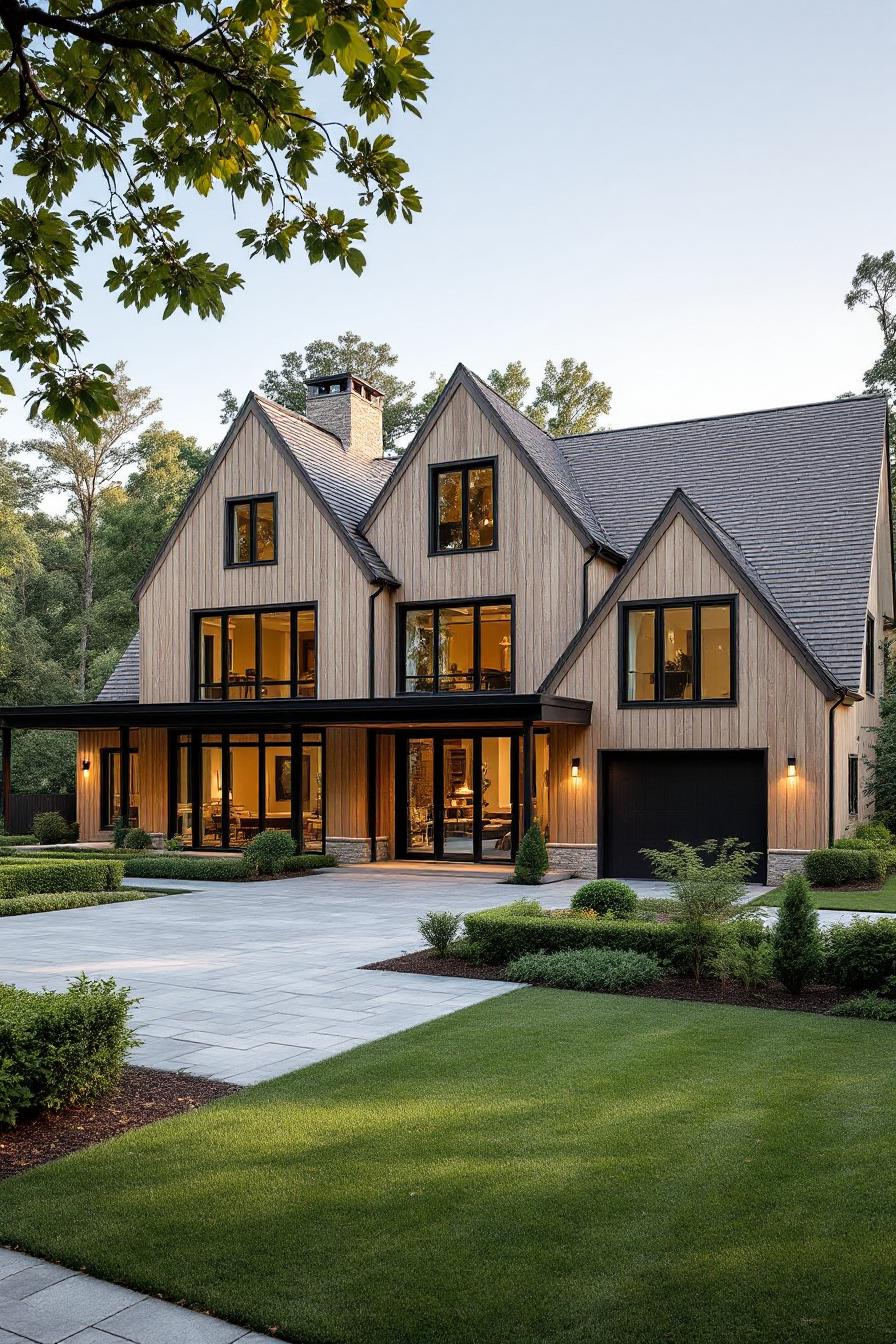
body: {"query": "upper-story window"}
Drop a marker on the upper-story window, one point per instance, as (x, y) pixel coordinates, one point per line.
(463, 507)
(255, 654)
(678, 652)
(456, 646)
(869, 654)
(251, 531)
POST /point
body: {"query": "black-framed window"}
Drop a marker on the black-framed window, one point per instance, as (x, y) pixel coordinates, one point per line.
(852, 785)
(870, 652)
(463, 507)
(255, 653)
(449, 647)
(678, 652)
(250, 529)
(110, 787)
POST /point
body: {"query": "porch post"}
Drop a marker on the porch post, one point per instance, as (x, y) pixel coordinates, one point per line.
(7, 774)
(371, 791)
(528, 768)
(295, 791)
(124, 735)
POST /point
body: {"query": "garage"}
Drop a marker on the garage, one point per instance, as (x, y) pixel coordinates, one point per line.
(651, 797)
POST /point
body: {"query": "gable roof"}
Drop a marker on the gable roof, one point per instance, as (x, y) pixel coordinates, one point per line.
(796, 489)
(342, 484)
(124, 682)
(532, 446)
(730, 556)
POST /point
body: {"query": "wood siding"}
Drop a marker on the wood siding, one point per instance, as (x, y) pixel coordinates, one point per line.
(151, 746)
(538, 560)
(779, 708)
(347, 783)
(313, 565)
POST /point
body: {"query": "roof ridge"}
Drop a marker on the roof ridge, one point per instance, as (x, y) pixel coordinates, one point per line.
(727, 415)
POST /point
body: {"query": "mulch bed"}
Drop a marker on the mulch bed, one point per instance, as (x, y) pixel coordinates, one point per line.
(142, 1096)
(814, 998)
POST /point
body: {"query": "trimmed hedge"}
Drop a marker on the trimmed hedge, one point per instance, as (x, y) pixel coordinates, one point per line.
(19, 877)
(834, 867)
(201, 870)
(69, 900)
(307, 863)
(608, 969)
(499, 937)
(18, 839)
(862, 954)
(57, 1049)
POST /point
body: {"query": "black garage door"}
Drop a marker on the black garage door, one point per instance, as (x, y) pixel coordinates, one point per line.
(652, 797)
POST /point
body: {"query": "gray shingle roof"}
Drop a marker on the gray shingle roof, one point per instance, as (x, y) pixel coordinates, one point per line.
(348, 483)
(124, 682)
(795, 489)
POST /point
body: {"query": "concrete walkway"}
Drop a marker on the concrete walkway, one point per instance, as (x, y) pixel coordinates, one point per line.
(42, 1303)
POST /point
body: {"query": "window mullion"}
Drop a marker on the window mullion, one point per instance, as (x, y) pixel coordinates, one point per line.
(465, 508)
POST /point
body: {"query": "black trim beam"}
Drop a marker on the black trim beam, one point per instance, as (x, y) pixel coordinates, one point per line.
(244, 715)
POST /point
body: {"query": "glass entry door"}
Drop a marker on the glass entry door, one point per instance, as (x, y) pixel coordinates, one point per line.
(457, 797)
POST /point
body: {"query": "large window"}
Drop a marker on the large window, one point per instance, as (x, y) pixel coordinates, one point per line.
(255, 655)
(251, 531)
(463, 507)
(462, 646)
(680, 652)
(229, 786)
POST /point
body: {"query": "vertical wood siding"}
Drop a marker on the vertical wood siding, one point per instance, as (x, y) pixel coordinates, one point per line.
(313, 565)
(347, 782)
(779, 707)
(151, 745)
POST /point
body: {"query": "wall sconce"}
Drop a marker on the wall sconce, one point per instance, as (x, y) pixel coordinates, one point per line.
(576, 766)
(85, 765)
(791, 767)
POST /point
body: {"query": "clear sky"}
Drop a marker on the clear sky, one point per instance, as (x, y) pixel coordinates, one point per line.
(676, 192)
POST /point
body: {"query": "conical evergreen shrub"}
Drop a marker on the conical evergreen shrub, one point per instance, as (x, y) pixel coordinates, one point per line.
(532, 857)
(798, 950)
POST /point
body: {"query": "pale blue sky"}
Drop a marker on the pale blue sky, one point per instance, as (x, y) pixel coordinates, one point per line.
(677, 193)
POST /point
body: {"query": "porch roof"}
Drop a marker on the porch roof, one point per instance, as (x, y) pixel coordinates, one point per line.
(396, 711)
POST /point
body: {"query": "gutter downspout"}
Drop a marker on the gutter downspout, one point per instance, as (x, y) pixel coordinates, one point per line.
(831, 712)
(371, 642)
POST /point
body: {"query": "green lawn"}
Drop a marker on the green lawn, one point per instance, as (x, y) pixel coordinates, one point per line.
(883, 899)
(546, 1168)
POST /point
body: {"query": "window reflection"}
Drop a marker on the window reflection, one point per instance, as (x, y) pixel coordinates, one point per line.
(450, 515)
(454, 649)
(419, 656)
(463, 503)
(481, 507)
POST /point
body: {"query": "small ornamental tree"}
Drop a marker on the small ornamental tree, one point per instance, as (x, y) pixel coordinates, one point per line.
(798, 952)
(532, 857)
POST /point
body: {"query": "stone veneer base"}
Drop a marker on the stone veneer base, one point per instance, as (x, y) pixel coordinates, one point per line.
(356, 849)
(580, 860)
(784, 861)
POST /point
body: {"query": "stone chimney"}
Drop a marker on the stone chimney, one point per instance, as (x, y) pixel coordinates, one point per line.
(350, 408)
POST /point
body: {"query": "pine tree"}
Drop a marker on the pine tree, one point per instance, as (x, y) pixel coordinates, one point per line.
(796, 942)
(532, 857)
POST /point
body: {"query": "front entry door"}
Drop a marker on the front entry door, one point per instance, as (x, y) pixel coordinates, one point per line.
(458, 797)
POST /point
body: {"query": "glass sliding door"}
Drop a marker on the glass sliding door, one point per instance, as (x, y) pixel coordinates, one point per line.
(421, 798)
(243, 815)
(211, 812)
(313, 815)
(277, 784)
(457, 796)
(497, 828)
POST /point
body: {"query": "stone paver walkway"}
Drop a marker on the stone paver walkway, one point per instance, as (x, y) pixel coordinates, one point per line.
(42, 1303)
(244, 981)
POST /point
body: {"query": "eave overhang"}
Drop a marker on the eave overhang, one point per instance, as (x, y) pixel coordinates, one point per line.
(241, 715)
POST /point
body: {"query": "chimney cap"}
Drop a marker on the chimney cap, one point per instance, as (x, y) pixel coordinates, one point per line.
(331, 384)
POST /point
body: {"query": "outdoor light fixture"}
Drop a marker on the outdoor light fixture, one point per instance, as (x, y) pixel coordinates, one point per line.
(791, 767)
(85, 765)
(576, 763)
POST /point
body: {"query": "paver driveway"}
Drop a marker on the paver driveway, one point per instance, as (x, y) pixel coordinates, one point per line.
(246, 981)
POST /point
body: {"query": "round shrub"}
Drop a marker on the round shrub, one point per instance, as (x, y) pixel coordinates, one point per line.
(600, 968)
(606, 896)
(268, 852)
(842, 867)
(137, 838)
(51, 828)
(439, 928)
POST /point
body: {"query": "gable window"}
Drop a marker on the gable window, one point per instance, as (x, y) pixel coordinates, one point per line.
(463, 503)
(869, 654)
(251, 531)
(852, 785)
(456, 646)
(678, 652)
(255, 654)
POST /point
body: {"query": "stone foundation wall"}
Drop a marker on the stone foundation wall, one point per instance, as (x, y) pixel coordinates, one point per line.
(784, 861)
(578, 859)
(356, 849)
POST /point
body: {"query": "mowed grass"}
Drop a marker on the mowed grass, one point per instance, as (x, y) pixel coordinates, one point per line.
(883, 899)
(547, 1166)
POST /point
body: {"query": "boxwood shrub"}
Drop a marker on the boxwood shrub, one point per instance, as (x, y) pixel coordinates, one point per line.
(862, 954)
(69, 900)
(606, 895)
(183, 867)
(498, 936)
(306, 863)
(834, 867)
(60, 1048)
(601, 968)
(19, 877)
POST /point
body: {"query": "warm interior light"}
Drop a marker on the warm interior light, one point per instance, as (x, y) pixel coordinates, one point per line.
(576, 763)
(791, 767)
(85, 765)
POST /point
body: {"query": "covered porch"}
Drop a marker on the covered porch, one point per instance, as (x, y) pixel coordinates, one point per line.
(453, 778)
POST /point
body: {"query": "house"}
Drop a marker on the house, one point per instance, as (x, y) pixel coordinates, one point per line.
(674, 631)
